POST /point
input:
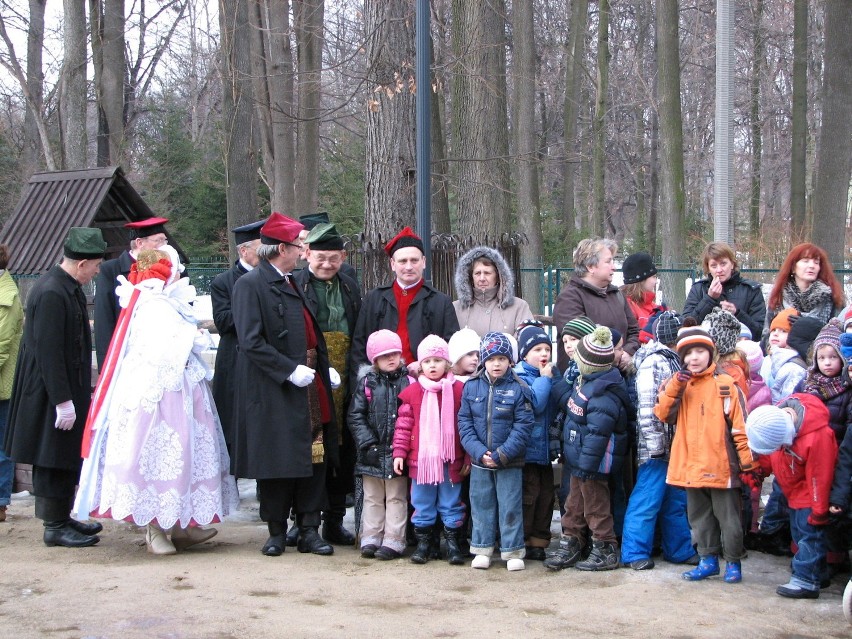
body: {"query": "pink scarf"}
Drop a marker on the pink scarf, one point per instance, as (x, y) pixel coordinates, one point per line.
(437, 429)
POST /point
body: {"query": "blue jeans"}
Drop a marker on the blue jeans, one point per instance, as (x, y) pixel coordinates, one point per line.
(775, 515)
(496, 498)
(809, 560)
(7, 466)
(431, 500)
(653, 501)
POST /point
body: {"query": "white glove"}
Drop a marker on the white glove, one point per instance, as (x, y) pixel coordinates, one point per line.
(65, 415)
(302, 376)
(334, 378)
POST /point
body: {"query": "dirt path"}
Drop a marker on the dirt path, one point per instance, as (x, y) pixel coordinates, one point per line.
(226, 588)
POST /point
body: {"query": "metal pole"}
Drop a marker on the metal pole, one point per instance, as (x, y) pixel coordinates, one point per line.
(423, 124)
(724, 130)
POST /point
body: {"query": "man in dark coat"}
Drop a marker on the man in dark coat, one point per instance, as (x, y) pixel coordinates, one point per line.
(408, 306)
(284, 412)
(53, 388)
(335, 300)
(144, 235)
(247, 238)
(310, 221)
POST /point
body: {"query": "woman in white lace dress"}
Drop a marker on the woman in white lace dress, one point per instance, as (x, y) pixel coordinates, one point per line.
(156, 453)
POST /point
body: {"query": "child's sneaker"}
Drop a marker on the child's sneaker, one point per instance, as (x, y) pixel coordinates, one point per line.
(604, 556)
(733, 573)
(707, 567)
(481, 562)
(515, 564)
(566, 555)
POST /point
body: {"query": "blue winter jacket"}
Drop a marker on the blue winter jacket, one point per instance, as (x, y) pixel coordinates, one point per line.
(496, 417)
(595, 433)
(538, 449)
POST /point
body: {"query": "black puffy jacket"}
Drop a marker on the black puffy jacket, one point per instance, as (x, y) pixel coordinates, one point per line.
(372, 418)
(745, 294)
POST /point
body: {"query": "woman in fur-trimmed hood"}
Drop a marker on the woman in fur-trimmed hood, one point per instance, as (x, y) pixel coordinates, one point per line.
(485, 286)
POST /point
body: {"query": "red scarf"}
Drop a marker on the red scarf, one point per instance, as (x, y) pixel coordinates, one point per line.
(403, 298)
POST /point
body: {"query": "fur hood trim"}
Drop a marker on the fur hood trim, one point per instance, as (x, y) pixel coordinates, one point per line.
(506, 279)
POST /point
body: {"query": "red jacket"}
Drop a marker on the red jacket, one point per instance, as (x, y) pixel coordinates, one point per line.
(406, 436)
(643, 313)
(805, 470)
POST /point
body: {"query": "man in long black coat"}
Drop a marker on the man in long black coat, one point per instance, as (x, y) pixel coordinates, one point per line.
(247, 239)
(284, 411)
(145, 234)
(53, 387)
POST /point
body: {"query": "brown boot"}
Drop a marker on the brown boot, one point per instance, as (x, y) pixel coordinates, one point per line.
(183, 538)
(2, 513)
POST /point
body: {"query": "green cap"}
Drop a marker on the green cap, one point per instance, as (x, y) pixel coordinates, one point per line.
(84, 243)
(324, 237)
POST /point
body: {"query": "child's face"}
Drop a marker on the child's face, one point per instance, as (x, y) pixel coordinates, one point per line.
(434, 368)
(778, 337)
(497, 366)
(388, 362)
(618, 350)
(569, 343)
(467, 364)
(828, 361)
(539, 355)
(696, 359)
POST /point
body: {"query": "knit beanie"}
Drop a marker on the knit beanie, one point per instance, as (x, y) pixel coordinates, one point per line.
(803, 333)
(638, 267)
(753, 354)
(616, 336)
(594, 353)
(768, 428)
(578, 327)
(847, 319)
(530, 321)
(461, 343)
(782, 320)
(666, 327)
(723, 328)
(690, 336)
(745, 332)
(828, 336)
(846, 345)
(495, 343)
(382, 342)
(529, 338)
(433, 346)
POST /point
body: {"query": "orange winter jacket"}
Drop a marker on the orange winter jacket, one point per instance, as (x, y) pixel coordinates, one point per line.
(706, 453)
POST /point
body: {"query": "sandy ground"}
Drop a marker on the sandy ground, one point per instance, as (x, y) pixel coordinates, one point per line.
(226, 588)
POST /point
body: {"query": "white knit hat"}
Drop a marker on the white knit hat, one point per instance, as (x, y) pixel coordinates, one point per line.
(768, 428)
(463, 342)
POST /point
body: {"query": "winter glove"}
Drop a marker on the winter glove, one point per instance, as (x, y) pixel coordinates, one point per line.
(334, 378)
(817, 521)
(752, 479)
(302, 376)
(65, 415)
(371, 456)
(554, 438)
(683, 375)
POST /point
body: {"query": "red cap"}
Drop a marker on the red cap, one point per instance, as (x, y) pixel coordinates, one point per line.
(280, 228)
(406, 237)
(147, 227)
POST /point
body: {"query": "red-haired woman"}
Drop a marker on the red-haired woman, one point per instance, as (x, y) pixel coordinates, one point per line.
(723, 287)
(805, 282)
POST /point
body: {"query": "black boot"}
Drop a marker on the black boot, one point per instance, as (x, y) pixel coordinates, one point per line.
(334, 532)
(310, 541)
(274, 546)
(567, 555)
(424, 541)
(85, 528)
(60, 533)
(292, 537)
(435, 543)
(454, 552)
(604, 556)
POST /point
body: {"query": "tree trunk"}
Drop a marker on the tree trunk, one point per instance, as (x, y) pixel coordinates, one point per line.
(756, 125)
(440, 178)
(834, 159)
(529, 215)
(799, 126)
(33, 140)
(389, 202)
(573, 92)
(282, 108)
(480, 127)
(113, 79)
(601, 224)
(308, 19)
(672, 195)
(240, 165)
(73, 86)
(642, 13)
(259, 20)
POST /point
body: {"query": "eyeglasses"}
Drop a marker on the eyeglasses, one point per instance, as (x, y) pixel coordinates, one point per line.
(298, 246)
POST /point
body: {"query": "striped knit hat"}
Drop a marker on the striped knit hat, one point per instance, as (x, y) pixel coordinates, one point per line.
(578, 327)
(828, 336)
(594, 353)
(690, 336)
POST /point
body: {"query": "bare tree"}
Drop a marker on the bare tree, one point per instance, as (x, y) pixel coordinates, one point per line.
(600, 216)
(72, 101)
(107, 19)
(755, 124)
(799, 129)
(308, 20)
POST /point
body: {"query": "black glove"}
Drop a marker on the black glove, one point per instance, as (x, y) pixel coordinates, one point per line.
(683, 375)
(371, 456)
